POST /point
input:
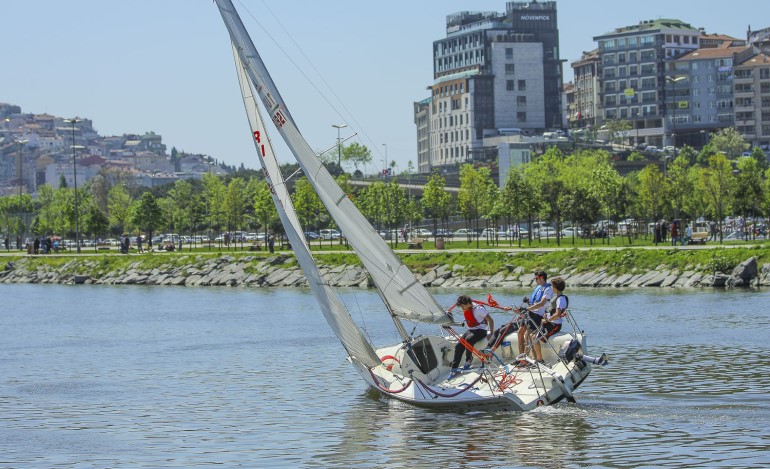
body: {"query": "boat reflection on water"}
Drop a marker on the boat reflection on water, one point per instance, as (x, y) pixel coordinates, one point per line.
(390, 432)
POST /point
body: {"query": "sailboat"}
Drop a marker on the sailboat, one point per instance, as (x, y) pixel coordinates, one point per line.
(416, 370)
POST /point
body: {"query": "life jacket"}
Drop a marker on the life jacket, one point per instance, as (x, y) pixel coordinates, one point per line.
(537, 294)
(551, 308)
(470, 318)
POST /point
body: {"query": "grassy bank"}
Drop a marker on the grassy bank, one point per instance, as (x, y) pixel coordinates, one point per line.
(473, 262)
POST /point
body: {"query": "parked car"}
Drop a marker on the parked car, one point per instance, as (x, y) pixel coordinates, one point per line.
(465, 233)
(569, 232)
(444, 233)
(311, 235)
(491, 233)
(327, 233)
(421, 233)
(546, 232)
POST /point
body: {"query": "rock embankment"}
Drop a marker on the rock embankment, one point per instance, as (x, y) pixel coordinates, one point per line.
(282, 271)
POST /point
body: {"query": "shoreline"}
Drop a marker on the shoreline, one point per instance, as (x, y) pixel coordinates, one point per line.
(281, 270)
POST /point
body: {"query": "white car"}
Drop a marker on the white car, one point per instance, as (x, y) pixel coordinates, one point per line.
(546, 232)
(569, 232)
(421, 233)
(329, 234)
(464, 233)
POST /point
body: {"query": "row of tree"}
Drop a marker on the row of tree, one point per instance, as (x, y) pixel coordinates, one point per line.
(580, 188)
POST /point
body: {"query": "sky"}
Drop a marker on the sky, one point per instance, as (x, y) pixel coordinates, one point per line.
(166, 65)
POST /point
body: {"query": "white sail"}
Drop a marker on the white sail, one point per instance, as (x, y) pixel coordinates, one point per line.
(404, 294)
(333, 310)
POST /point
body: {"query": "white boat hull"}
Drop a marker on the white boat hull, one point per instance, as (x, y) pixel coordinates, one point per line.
(427, 381)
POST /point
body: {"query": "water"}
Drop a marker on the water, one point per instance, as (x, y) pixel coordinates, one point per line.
(181, 377)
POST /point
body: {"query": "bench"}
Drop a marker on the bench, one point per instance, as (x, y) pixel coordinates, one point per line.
(415, 243)
(699, 237)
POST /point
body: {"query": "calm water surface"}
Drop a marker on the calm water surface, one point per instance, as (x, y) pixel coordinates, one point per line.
(180, 377)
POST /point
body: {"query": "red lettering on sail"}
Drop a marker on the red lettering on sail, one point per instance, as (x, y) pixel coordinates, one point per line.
(257, 137)
(262, 147)
(279, 119)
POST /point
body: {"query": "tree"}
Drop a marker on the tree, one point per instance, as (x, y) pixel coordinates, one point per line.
(96, 222)
(545, 175)
(357, 154)
(705, 154)
(618, 129)
(119, 207)
(49, 215)
(236, 203)
(147, 214)
(306, 202)
(516, 198)
(717, 183)
(371, 203)
(435, 199)
(264, 208)
(730, 142)
(474, 194)
(750, 193)
(759, 155)
(688, 153)
(680, 183)
(651, 190)
(395, 204)
(180, 198)
(214, 198)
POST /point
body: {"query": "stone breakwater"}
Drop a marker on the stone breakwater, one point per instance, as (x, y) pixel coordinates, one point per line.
(281, 271)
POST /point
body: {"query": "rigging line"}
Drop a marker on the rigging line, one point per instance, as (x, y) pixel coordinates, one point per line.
(292, 175)
(320, 76)
(293, 62)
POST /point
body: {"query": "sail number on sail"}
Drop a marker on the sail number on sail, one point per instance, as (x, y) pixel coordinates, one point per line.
(279, 119)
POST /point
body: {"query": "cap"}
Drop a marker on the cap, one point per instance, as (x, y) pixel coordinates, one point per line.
(541, 273)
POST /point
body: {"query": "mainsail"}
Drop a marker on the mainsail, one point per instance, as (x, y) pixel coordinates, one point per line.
(404, 294)
(333, 310)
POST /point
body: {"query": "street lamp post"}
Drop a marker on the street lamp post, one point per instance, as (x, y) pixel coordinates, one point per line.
(385, 161)
(21, 186)
(74, 121)
(674, 80)
(339, 145)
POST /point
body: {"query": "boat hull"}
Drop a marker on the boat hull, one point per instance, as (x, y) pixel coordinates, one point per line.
(416, 377)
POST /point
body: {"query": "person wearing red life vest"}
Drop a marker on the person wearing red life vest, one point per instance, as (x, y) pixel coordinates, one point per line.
(478, 321)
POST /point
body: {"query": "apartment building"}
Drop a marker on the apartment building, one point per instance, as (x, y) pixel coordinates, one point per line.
(585, 110)
(493, 71)
(698, 94)
(752, 99)
(632, 74)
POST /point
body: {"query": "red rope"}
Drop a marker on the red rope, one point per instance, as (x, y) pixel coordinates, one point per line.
(467, 344)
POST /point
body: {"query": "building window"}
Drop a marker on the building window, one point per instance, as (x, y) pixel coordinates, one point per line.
(521, 116)
(521, 100)
(508, 52)
(509, 85)
(509, 69)
(522, 85)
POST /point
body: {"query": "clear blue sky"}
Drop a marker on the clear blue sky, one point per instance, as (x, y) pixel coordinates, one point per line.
(166, 65)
